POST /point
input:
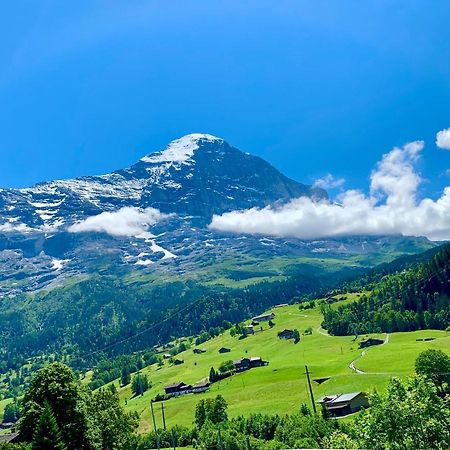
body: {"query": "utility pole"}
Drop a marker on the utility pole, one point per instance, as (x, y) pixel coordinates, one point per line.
(154, 424)
(311, 391)
(163, 415)
(174, 439)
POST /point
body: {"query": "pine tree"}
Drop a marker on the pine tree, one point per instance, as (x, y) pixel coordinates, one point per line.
(47, 435)
(212, 375)
(126, 377)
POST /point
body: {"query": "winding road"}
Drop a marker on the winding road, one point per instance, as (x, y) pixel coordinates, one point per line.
(352, 364)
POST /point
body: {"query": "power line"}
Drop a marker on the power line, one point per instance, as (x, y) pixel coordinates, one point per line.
(187, 307)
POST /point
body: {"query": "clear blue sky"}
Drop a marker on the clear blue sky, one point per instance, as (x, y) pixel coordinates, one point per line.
(312, 86)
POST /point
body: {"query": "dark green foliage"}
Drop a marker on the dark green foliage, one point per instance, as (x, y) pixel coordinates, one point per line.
(435, 365)
(106, 312)
(86, 420)
(409, 415)
(19, 446)
(226, 366)
(12, 412)
(177, 436)
(212, 375)
(257, 431)
(140, 384)
(115, 426)
(47, 435)
(213, 410)
(417, 298)
(125, 376)
(296, 335)
(56, 385)
(109, 369)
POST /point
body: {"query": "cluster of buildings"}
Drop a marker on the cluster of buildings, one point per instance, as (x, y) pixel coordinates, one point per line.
(240, 365)
(181, 388)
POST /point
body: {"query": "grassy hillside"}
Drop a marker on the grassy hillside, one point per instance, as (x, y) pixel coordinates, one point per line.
(281, 386)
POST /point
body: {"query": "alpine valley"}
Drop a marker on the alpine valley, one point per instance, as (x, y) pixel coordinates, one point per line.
(89, 261)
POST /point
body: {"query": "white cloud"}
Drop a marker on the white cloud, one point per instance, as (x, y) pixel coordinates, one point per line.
(390, 208)
(329, 182)
(15, 227)
(443, 139)
(126, 221)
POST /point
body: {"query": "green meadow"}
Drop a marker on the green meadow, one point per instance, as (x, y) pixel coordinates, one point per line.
(281, 386)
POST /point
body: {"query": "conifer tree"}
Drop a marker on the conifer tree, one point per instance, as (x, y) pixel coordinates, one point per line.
(47, 435)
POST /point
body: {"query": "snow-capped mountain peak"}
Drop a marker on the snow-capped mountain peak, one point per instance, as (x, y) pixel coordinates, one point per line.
(180, 150)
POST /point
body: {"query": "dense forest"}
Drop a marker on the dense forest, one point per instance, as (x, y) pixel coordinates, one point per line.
(410, 299)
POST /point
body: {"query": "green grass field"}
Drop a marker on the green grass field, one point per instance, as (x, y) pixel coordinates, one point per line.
(281, 386)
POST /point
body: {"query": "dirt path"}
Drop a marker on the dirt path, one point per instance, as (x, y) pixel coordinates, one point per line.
(352, 364)
(321, 331)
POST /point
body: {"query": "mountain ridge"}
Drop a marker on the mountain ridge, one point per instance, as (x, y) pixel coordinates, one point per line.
(164, 202)
(197, 175)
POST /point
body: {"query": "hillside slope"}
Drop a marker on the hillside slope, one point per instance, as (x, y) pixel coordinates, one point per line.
(412, 299)
(281, 386)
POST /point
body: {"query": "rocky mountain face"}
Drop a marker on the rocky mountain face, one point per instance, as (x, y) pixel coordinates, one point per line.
(190, 180)
(198, 175)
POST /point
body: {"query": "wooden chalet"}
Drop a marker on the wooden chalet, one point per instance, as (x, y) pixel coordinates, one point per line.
(197, 351)
(286, 334)
(344, 404)
(263, 318)
(179, 388)
(202, 386)
(249, 363)
(248, 329)
(369, 342)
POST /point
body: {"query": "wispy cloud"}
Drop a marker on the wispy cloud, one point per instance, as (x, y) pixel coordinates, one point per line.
(128, 221)
(390, 208)
(329, 182)
(443, 139)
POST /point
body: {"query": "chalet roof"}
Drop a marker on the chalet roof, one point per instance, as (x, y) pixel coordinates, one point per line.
(339, 398)
(241, 360)
(261, 316)
(175, 385)
(201, 384)
(255, 358)
(347, 397)
(371, 339)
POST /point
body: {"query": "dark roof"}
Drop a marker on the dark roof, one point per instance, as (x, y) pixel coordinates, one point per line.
(174, 385)
(261, 316)
(224, 349)
(201, 384)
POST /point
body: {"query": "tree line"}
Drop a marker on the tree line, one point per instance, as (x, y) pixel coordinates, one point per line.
(412, 299)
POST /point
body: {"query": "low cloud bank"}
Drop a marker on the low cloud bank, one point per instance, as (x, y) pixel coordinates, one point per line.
(128, 221)
(390, 208)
